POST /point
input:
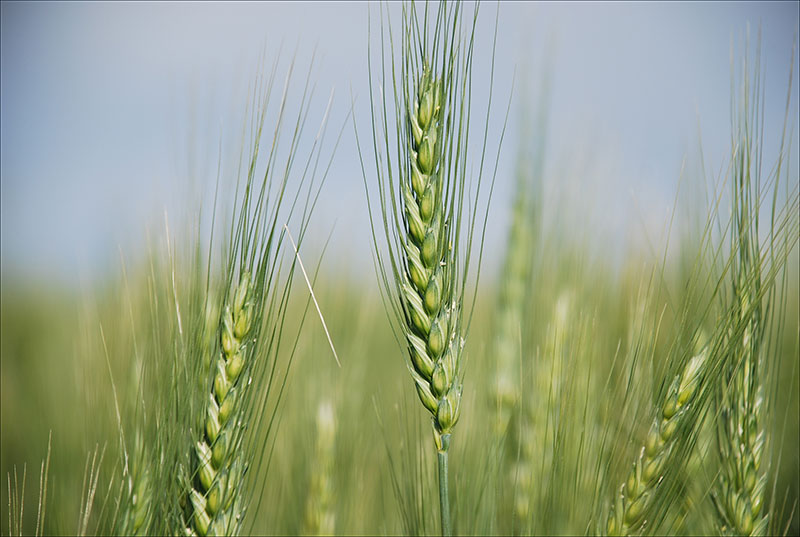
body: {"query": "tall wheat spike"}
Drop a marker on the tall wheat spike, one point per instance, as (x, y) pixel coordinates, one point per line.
(424, 198)
(741, 435)
(433, 320)
(509, 335)
(739, 495)
(513, 291)
(511, 351)
(432, 312)
(516, 289)
(227, 406)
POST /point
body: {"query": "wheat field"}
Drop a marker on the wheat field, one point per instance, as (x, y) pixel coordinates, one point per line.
(242, 374)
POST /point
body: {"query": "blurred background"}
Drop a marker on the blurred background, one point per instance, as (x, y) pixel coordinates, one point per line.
(117, 119)
(108, 109)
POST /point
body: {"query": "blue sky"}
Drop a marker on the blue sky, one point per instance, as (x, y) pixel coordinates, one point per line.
(109, 108)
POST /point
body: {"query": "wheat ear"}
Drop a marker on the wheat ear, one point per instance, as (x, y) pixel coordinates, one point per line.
(426, 206)
(628, 512)
(739, 492)
(739, 495)
(505, 354)
(320, 518)
(511, 303)
(138, 513)
(212, 507)
(431, 315)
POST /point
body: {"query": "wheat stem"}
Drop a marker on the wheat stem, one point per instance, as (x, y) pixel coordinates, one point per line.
(444, 498)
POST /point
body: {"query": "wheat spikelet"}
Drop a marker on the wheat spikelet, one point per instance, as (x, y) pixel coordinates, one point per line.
(628, 513)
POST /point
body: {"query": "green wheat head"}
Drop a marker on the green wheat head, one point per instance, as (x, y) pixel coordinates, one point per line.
(628, 512)
(210, 342)
(215, 509)
(229, 415)
(742, 408)
(423, 193)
